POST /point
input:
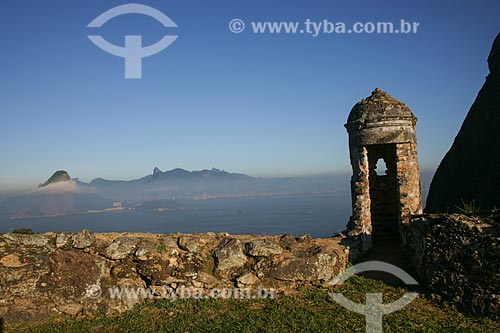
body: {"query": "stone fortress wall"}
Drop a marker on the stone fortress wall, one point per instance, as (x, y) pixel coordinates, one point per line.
(46, 274)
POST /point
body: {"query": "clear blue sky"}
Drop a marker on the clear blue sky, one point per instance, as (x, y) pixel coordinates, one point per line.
(265, 105)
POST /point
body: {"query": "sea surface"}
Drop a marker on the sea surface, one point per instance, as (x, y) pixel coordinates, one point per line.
(317, 215)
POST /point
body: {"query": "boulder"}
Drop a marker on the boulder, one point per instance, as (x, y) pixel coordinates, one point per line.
(263, 248)
(189, 243)
(304, 238)
(322, 266)
(71, 309)
(61, 240)
(82, 239)
(144, 250)
(229, 254)
(288, 241)
(70, 274)
(168, 242)
(247, 280)
(121, 248)
(30, 240)
(208, 280)
(11, 260)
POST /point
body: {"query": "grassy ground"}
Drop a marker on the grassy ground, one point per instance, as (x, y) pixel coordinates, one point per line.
(307, 310)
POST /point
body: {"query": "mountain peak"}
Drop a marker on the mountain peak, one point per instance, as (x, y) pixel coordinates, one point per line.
(58, 176)
(157, 173)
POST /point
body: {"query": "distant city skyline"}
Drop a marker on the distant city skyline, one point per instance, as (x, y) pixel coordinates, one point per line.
(266, 105)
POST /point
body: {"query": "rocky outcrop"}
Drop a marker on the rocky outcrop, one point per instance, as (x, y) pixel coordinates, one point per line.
(458, 258)
(49, 274)
(470, 170)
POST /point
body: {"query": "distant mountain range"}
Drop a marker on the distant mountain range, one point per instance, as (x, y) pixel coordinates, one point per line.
(61, 195)
(176, 175)
(183, 184)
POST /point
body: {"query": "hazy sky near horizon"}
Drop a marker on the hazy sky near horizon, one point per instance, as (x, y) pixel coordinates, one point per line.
(261, 104)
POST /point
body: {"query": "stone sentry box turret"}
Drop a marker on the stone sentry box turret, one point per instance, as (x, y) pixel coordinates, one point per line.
(382, 130)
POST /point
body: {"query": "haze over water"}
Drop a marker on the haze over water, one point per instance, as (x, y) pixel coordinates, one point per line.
(317, 215)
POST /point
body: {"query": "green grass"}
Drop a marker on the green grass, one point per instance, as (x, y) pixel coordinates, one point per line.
(469, 208)
(308, 310)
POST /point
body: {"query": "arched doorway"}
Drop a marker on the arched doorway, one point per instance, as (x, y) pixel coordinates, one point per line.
(384, 197)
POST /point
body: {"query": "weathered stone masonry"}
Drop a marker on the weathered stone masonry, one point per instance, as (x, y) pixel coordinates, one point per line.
(382, 128)
(458, 258)
(47, 274)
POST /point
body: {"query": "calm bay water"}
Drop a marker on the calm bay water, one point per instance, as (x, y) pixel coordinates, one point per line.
(318, 215)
